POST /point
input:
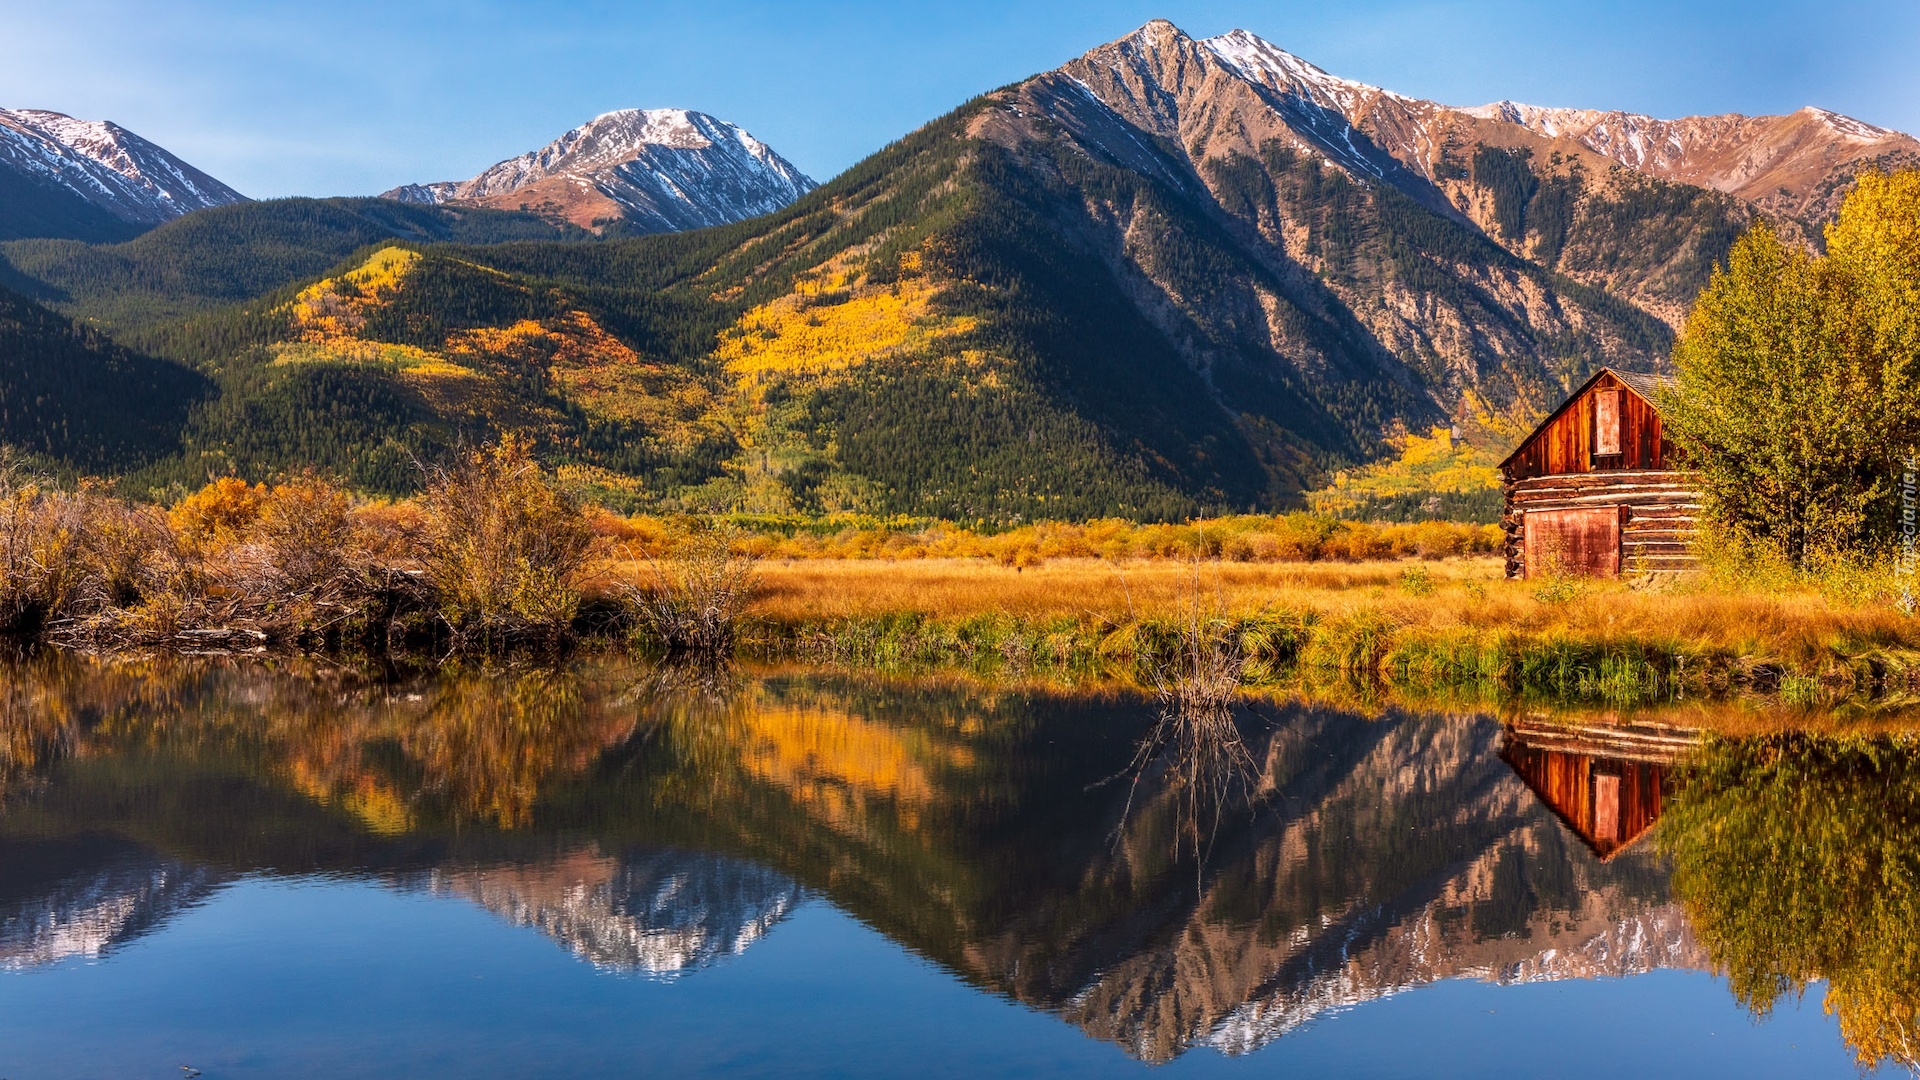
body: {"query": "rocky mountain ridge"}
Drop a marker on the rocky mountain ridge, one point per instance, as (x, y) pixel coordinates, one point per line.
(658, 170)
(60, 176)
(1593, 176)
(1792, 166)
(1795, 166)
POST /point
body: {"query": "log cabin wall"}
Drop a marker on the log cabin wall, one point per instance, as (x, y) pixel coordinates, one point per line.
(1660, 508)
(1557, 469)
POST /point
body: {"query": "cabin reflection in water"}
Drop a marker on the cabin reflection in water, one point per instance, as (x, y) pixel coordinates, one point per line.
(1604, 783)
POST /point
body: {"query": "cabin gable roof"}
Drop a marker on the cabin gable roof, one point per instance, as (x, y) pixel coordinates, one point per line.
(1643, 384)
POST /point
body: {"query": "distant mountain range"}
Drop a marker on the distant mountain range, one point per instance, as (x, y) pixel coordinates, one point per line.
(653, 170)
(1172, 275)
(656, 170)
(665, 170)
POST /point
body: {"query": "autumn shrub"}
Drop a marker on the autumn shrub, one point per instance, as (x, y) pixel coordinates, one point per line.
(122, 552)
(230, 563)
(66, 556)
(1416, 581)
(218, 515)
(503, 550)
(35, 551)
(390, 531)
(305, 540)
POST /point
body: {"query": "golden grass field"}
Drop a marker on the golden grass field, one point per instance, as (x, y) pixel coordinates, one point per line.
(1469, 594)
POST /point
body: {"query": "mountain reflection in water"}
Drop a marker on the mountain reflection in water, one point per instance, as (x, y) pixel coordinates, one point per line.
(653, 912)
(980, 827)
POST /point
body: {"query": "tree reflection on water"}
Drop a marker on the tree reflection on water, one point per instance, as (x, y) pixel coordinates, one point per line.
(1798, 859)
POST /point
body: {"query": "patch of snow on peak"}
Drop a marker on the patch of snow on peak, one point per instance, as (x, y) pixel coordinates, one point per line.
(106, 165)
(1262, 62)
(1846, 126)
(667, 169)
(655, 127)
(1548, 121)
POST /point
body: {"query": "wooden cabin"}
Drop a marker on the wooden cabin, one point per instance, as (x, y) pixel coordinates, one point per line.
(1594, 490)
(1606, 784)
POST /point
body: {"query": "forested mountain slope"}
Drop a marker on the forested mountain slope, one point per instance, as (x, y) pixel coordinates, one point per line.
(232, 253)
(69, 395)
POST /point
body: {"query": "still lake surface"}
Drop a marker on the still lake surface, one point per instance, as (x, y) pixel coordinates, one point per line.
(260, 873)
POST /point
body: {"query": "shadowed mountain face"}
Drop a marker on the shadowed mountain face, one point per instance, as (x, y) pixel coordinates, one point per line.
(998, 833)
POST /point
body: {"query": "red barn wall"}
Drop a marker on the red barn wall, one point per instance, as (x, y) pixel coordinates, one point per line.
(1565, 443)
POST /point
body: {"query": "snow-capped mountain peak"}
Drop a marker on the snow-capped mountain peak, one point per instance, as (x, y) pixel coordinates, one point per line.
(106, 167)
(1260, 61)
(1846, 126)
(660, 169)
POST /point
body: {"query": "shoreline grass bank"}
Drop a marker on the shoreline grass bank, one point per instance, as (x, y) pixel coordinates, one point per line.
(1454, 623)
(493, 560)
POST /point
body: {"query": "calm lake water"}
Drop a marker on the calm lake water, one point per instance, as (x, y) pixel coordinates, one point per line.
(253, 873)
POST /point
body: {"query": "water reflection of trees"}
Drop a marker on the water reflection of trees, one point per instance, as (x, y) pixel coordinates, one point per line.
(463, 746)
(1194, 759)
(1798, 859)
(967, 822)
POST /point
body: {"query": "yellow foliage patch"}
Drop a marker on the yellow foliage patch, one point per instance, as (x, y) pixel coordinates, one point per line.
(596, 369)
(579, 356)
(591, 483)
(220, 513)
(335, 307)
(832, 323)
(526, 341)
(355, 351)
(1433, 464)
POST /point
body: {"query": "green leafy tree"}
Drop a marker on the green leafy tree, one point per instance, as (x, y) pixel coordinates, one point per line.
(1796, 402)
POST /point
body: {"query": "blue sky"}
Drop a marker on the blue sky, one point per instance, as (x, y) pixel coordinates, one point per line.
(353, 97)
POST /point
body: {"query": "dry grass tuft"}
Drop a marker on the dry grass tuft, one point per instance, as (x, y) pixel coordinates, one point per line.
(695, 595)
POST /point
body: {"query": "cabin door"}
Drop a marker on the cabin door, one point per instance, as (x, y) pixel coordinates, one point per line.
(1585, 541)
